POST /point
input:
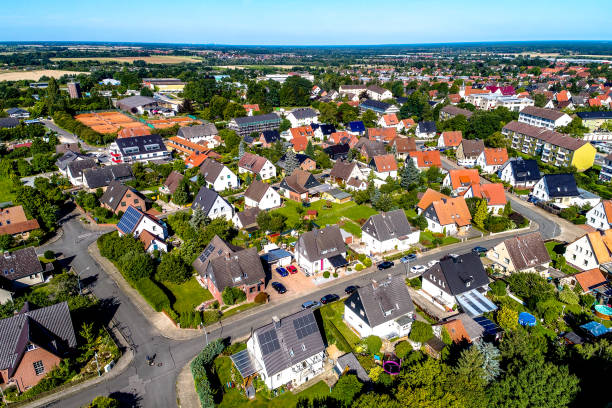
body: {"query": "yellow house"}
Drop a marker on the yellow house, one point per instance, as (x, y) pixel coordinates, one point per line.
(584, 157)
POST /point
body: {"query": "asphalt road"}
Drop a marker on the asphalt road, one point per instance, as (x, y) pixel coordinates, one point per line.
(67, 137)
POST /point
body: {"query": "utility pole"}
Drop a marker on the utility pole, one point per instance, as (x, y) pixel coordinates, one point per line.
(97, 365)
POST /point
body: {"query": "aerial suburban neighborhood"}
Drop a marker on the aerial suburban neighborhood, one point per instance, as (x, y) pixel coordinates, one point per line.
(425, 225)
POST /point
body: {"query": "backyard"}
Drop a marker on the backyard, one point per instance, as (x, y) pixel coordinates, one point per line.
(186, 296)
(6, 193)
(428, 238)
(556, 251)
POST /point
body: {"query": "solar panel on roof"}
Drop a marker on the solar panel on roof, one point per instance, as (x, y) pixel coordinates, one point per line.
(269, 342)
(209, 249)
(305, 326)
(129, 220)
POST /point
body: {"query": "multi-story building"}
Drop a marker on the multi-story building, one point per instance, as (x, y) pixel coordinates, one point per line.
(74, 90)
(544, 118)
(492, 101)
(606, 169)
(138, 149)
(594, 120)
(552, 147)
(164, 85)
(248, 124)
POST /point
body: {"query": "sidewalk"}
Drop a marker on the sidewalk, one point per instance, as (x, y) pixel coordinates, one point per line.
(122, 364)
(157, 319)
(186, 394)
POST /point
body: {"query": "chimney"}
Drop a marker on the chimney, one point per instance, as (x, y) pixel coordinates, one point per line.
(374, 284)
(7, 255)
(277, 323)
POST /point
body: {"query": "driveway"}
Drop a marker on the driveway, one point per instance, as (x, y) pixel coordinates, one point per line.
(297, 285)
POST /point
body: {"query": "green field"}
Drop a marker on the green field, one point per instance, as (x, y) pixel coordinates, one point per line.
(6, 193)
(233, 398)
(187, 295)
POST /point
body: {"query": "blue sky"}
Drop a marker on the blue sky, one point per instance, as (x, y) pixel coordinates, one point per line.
(311, 22)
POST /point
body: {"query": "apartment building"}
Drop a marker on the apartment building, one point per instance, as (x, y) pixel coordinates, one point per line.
(544, 118)
(246, 125)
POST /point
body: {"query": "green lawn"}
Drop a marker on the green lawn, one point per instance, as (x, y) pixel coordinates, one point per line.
(429, 237)
(333, 312)
(187, 295)
(6, 187)
(233, 398)
(237, 309)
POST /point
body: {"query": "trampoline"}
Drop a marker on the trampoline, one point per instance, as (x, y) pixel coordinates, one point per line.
(392, 364)
(526, 319)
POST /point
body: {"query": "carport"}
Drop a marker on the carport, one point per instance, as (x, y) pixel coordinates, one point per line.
(475, 303)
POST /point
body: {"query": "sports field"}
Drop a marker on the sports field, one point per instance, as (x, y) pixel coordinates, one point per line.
(108, 122)
(156, 59)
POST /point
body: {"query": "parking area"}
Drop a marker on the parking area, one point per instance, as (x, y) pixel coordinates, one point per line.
(296, 284)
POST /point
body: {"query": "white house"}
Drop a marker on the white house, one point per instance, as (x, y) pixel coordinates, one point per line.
(560, 189)
(74, 170)
(302, 117)
(590, 251)
(520, 173)
(382, 309)
(600, 216)
(150, 231)
(492, 159)
(444, 214)
(542, 117)
(426, 130)
(459, 280)
(378, 93)
(344, 171)
(218, 176)
(384, 166)
(257, 165)
(493, 193)
(525, 253)
(213, 205)
(138, 149)
(262, 196)
(388, 231)
(206, 134)
(288, 351)
(321, 250)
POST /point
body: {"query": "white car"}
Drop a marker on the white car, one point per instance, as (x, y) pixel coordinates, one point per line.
(431, 263)
(418, 269)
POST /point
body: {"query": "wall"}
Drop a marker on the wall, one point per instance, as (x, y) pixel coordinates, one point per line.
(25, 375)
(580, 254)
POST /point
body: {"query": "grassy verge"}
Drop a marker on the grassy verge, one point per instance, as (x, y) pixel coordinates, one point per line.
(238, 309)
(333, 312)
(427, 239)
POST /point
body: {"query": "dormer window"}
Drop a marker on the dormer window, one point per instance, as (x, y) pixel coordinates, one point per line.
(303, 347)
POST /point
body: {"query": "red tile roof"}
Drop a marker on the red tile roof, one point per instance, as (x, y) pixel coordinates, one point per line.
(427, 158)
(463, 177)
(385, 163)
(494, 193)
(495, 156)
(452, 138)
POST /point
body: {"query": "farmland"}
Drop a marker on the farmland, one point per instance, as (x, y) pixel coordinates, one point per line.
(35, 75)
(157, 59)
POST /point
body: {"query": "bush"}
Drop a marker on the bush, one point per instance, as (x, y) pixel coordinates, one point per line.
(359, 267)
(199, 370)
(326, 274)
(335, 274)
(231, 296)
(568, 296)
(498, 288)
(415, 283)
(210, 317)
(374, 343)
(173, 268)
(420, 332)
(152, 294)
(49, 254)
(261, 298)
(403, 349)
(367, 262)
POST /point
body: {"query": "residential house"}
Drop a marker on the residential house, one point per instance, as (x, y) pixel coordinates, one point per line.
(605, 174)
(590, 251)
(218, 176)
(223, 265)
(426, 159)
(378, 107)
(382, 309)
(288, 351)
(257, 165)
(384, 166)
(206, 134)
(18, 113)
(388, 231)
(352, 90)
(406, 124)
(492, 159)
(403, 146)
(64, 148)
(450, 111)
(556, 188)
(118, 197)
(297, 185)
(212, 204)
(356, 184)
(356, 128)
(370, 148)
(186, 147)
(67, 158)
(459, 280)
(493, 193)
(148, 229)
(321, 250)
(595, 120)
(101, 177)
(335, 195)
(450, 139)
(600, 216)
(322, 131)
(171, 183)
(75, 169)
(348, 364)
(343, 171)
(23, 268)
(251, 108)
(244, 126)
(524, 253)
(35, 342)
(305, 162)
(338, 151)
(592, 281)
(544, 118)
(520, 173)
(555, 148)
(268, 138)
(343, 138)
(9, 123)
(426, 130)
(468, 152)
(492, 101)
(381, 134)
(247, 219)
(138, 149)
(262, 196)
(460, 180)
(389, 121)
(13, 222)
(378, 93)
(445, 214)
(302, 117)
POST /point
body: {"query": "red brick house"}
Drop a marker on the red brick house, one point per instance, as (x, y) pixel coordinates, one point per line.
(33, 343)
(223, 265)
(119, 197)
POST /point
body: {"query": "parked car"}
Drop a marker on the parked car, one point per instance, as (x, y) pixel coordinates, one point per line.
(408, 258)
(431, 263)
(385, 265)
(350, 289)
(418, 269)
(292, 269)
(282, 271)
(332, 297)
(279, 287)
(478, 250)
(310, 303)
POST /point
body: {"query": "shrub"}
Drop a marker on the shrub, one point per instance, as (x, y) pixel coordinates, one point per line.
(152, 294)
(374, 343)
(173, 268)
(335, 274)
(367, 262)
(568, 296)
(420, 332)
(210, 317)
(359, 267)
(261, 298)
(199, 370)
(498, 288)
(171, 314)
(231, 296)
(326, 274)
(49, 254)
(415, 283)
(136, 265)
(402, 349)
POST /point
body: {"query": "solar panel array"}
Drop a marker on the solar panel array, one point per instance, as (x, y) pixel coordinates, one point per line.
(269, 342)
(243, 362)
(129, 220)
(305, 325)
(488, 325)
(209, 250)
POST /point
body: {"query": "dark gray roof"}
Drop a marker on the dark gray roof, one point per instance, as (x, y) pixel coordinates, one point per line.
(377, 106)
(19, 264)
(561, 185)
(14, 111)
(8, 122)
(427, 127)
(48, 327)
(303, 113)
(381, 302)
(211, 169)
(279, 340)
(595, 115)
(102, 176)
(350, 363)
(155, 144)
(115, 193)
(191, 132)
(215, 248)
(457, 275)
(455, 110)
(67, 158)
(247, 120)
(237, 268)
(248, 217)
(321, 243)
(76, 167)
(525, 170)
(388, 225)
(205, 199)
(256, 190)
(132, 102)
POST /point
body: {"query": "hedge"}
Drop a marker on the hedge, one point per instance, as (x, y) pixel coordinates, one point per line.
(337, 337)
(199, 367)
(152, 294)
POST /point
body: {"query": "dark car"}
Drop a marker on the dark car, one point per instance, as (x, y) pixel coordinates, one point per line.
(385, 265)
(478, 250)
(279, 287)
(350, 289)
(282, 271)
(332, 297)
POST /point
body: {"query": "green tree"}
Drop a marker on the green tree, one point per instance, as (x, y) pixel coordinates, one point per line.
(104, 402)
(291, 161)
(539, 100)
(285, 124)
(136, 265)
(491, 357)
(373, 343)
(421, 222)
(403, 349)
(310, 151)
(241, 149)
(173, 268)
(295, 91)
(507, 318)
(481, 214)
(232, 296)
(347, 387)
(420, 332)
(369, 118)
(410, 175)
(470, 364)
(182, 195)
(6, 242)
(372, 399)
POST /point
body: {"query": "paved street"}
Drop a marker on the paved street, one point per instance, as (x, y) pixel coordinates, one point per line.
(67, 137)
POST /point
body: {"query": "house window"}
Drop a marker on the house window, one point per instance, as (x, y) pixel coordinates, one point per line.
(39, 368)
(123, 204)
(32, 347)
(361, 313)
(278, 376)
(303, 347)
(291, 352)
